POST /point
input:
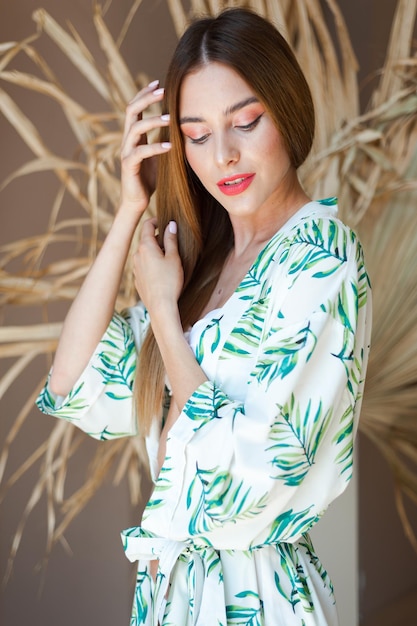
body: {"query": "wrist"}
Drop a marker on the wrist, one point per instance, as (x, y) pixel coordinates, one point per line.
(126, 220)
(165, 321)
(165, 314)
(131, 210)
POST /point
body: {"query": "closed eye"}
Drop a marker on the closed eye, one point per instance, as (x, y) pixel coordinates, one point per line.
(251, 125)
(198, 140)
(244, 127)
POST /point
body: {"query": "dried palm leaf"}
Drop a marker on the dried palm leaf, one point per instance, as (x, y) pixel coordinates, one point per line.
(78, 54)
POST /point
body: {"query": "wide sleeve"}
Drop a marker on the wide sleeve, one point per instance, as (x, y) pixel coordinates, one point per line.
(264, 470)
(101, 401)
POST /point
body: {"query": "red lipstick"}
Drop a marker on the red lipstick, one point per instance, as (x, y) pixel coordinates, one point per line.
(233, 185)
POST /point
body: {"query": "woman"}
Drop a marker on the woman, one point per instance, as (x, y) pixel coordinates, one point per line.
(269, 290)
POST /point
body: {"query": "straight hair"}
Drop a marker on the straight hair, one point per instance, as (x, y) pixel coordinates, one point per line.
(254, 48)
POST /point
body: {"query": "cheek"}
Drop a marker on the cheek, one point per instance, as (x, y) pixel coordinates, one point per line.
(273, 145)
(195, 162)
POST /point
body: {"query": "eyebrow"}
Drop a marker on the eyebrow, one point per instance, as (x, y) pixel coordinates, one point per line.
(228, 111)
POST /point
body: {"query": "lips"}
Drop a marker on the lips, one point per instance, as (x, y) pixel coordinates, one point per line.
(233, 185)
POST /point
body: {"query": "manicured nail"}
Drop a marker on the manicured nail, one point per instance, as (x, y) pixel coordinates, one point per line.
(166, 145)
(159, 92)
(165, 117)
(172, 227)
(153, 84)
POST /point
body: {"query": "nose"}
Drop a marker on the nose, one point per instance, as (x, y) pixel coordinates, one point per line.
(226, 150)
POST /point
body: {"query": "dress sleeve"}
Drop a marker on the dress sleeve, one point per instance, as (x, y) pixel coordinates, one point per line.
(265, 469)
(101, 401)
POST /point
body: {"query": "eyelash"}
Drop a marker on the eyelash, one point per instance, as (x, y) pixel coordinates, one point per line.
(246, 128)
(252, 125)
(199, 140)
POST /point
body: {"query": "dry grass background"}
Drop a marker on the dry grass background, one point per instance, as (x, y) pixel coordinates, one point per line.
(368, 159)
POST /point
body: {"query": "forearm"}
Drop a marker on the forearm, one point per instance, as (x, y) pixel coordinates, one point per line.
(183, 371)
(93, 307)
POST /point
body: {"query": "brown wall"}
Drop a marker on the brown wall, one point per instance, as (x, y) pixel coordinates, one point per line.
(93, 586)
(388, 565)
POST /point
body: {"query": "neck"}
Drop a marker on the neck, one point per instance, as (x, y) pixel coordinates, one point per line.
(252, 232)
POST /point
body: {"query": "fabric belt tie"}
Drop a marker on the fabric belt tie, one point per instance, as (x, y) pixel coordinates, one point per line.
(203, 566)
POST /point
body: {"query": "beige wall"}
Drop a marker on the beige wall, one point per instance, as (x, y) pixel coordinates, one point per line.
(93, 586)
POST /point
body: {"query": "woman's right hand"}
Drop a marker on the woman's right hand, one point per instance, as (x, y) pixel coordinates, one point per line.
(138, 157)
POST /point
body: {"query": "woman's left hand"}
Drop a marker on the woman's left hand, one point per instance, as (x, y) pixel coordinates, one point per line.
(159, 275)
(159, 279)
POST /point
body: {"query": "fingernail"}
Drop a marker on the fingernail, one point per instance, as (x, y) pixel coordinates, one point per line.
(159, 92)
(153, 84)
(165, 117)
(172, 227)
(166, 145)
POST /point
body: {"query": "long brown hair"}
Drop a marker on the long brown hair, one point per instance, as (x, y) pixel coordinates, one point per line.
(252, 47)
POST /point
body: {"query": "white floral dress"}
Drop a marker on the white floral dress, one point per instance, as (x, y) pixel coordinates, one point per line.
(261, 449)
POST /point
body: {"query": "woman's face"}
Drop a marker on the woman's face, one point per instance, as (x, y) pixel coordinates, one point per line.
(231, 142)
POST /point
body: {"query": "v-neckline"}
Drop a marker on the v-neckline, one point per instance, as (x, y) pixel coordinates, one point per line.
(298, 215)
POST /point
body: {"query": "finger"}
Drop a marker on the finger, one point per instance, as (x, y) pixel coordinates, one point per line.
(149, 228)
(142, 101)
(170, 239)
(132, 105)
(133, 160)
(139, 129)
(153, 86)
(148, 244)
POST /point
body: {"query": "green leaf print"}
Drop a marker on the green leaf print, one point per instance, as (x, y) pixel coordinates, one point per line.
(212, 560)
(140, 605)
(294, 584)
(162, 484)
(291, 525)
(256, 274)
(315, 561)
(105, 434)
(205, 403)
(247, 594)
(241, 615)
(363, 278)
(118, 359)
(332, 201)
(346, 354)
(249, 281)
(298, 433)
(344, 309)
(212, 330)
(248, 332)
(321, 243)
(346, 317)
(70, 410)
(344, 436)
(280, 360)
(215, 497)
